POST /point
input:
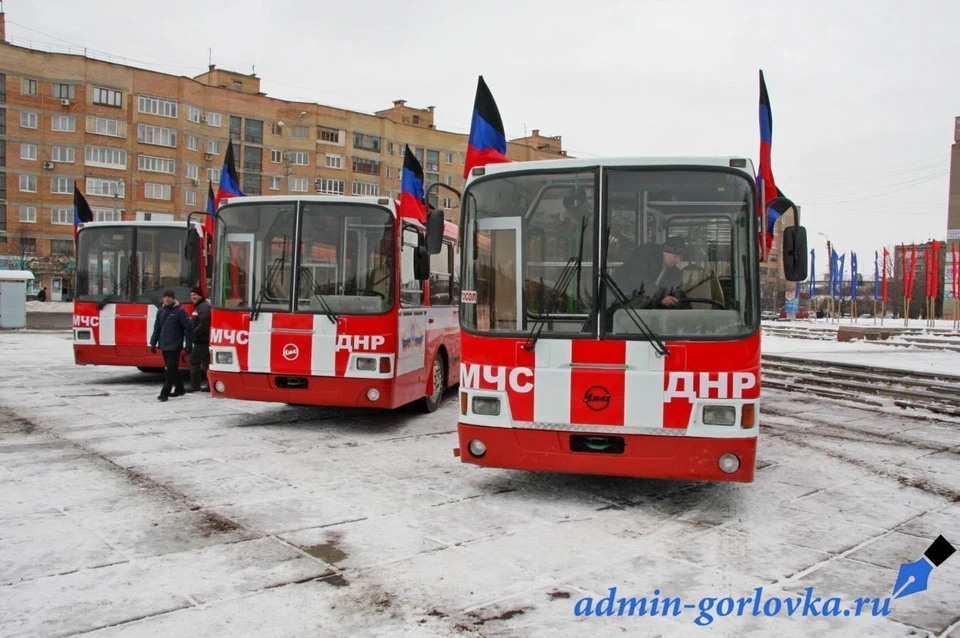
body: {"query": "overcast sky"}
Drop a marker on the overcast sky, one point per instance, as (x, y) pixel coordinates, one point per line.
(864, 93)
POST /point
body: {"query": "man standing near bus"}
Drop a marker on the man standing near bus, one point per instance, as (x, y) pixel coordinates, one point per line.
(200, 327)
(171, 331)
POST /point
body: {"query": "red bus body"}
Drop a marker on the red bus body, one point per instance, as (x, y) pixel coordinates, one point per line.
(118, 334)
(382, 360)
(579, 398)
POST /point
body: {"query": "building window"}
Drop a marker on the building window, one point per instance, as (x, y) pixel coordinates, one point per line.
(389, 148)
(28, 151)
(213, 175)
(3, 120)
(334, 161)
(193, 143)
(104, 187)
(61, 185)
(156, 135)
(65, 91)
(431, 178)
(252, 158)
(156, 191)
(213, 119)
(365, 166)
(29, 87)
(106, 215)
(274, 182)
(276, 157)
(28, 183)
(213, 147)
(63, 154)
(298, 184)
(364, 188)
(253, 131)
(193, 114)
(104, 126)
(276, 129)
(236, 123)
(448, 180)
(300, 132)
(61, 216)
(447, 202)
(64, 123)
(105, 157)
(28, 119)
(28, 214)
(3, 155)
(251, 183)
(190, 198)
(28, 245)
(389, 172)
(330, 135)
(300, 158)
(237, 85)
(433, 161)
(449, 158)
(156, 164)
(157, 106)
(329, 186)
(366, 142)
(61, 246)
(107, 97)
(154, 217)
(193, 172)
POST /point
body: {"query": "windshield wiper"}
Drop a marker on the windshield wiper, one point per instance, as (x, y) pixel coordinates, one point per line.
(566, 276)
(116, 289)
(327, 310)
(262, 293)
(658, 344)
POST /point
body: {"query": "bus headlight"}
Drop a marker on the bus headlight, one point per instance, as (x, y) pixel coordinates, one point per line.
(477, 448)
(729, 463)
(366, 364)
(487, 406)
(225, 358)
(373, 394)
(719, 415)
(219, 387)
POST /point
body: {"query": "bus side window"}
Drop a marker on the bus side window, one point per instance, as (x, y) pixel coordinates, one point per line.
(411, 289)
(440, 276)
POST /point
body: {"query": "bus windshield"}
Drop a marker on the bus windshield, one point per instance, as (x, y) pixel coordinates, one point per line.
(133, 264)
(342, 259)
(671, 248)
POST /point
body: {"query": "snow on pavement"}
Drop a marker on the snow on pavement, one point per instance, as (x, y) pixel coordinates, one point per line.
(123, 516)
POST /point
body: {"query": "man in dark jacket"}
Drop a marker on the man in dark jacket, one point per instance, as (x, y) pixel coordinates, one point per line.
(171, 331)
(200, 325)
(651, 278)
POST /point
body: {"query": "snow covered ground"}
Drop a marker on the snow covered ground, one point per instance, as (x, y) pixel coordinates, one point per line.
(865, 353)
(203, 517)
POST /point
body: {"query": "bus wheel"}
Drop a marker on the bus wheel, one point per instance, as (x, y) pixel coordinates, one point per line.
(150, 370)
(431, 402)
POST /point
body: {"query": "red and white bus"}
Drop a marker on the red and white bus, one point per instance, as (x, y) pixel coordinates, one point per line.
(332, 301)
(569, 363)
(122, 270)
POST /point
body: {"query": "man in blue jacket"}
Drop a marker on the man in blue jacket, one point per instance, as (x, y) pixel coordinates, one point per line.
(171, 332)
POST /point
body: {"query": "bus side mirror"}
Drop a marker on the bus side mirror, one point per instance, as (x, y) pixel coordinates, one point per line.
(191, 247)
(434, 231)
(794, 253)
(421, 264)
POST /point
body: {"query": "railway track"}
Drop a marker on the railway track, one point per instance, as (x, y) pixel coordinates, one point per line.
(934, 341)
(866, 385)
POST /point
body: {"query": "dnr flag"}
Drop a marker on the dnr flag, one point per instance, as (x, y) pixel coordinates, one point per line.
(487, 143)
(81, 211)
(412, 203)
(229, 180)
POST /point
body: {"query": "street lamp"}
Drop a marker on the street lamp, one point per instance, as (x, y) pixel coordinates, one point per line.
(829, 274)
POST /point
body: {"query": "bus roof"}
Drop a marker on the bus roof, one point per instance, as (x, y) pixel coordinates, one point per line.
(387, 202)
(148, 224)
(726, 161)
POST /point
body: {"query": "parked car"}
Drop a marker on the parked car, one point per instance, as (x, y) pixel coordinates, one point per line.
(768, 315)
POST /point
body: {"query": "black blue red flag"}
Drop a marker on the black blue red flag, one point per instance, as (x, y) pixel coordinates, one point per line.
(487, 143)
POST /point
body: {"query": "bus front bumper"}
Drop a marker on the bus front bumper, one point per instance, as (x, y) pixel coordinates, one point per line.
(633, 455)
(319, 391)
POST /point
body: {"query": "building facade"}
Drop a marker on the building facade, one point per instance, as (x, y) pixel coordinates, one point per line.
(143, 145)
(951, 308)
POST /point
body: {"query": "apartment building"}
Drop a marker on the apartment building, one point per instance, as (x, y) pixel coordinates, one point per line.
(144, 145)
